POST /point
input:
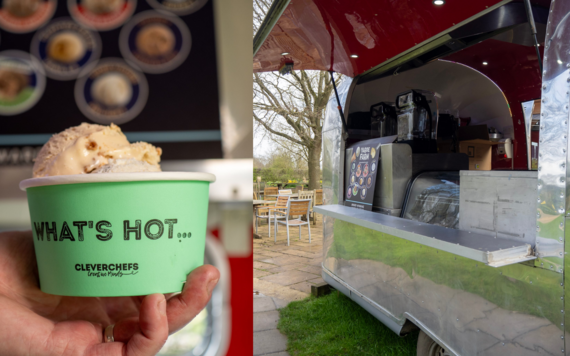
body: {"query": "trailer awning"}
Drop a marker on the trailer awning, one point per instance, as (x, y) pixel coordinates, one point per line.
(328, 35)
(490, 250)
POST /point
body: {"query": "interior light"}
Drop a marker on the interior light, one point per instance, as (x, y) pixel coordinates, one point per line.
(438, 2)
(485, 63)
(354, 56)
(284, 53)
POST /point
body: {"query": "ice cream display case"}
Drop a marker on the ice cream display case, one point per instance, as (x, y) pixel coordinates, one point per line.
(476, 257)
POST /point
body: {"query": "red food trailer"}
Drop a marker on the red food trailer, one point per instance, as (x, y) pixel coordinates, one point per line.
(445, 155)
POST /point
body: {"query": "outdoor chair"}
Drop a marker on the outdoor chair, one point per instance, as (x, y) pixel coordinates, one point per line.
(318, 201)
(285, 191)
(308, 194)
(270, 191)
(265, 212)
(294, 207)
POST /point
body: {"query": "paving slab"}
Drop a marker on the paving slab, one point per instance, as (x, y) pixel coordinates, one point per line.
(304, 287)
(316, 270)
(287, 260)
(265, 320)
(316, 262)
(316, 281)
(269, 341)
(289, 277)
(278, 291)
(283, 268)
(272, 253)
(276, 248)
(257, 273)
(299, 253)
(280, 303)
(262, 265)
(263, 304)
(295, 268)
(257, 257)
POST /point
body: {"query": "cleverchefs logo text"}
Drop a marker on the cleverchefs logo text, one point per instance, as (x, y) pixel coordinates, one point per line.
(108, 269)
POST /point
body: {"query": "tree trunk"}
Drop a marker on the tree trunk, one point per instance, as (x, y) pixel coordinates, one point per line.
(315, 164)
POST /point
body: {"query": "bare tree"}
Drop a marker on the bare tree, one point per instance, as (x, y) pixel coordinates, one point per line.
(291, 110)
(260, 8)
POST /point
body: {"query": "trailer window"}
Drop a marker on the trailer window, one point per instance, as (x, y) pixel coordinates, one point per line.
(531, 110)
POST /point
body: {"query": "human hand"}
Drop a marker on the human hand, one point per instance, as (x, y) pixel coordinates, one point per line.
(36, 323)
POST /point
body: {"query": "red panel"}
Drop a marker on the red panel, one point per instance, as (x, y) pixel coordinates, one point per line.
(241, 301)
(322, 34)
(514, 68)
(241, 342)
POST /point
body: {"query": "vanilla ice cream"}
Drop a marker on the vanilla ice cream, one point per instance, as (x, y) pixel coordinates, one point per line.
(89, 148)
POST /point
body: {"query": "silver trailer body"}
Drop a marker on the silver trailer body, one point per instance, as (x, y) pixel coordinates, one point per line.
(474, 292)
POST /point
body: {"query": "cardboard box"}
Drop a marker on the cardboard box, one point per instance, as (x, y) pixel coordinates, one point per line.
(475, 143)
(479, 153)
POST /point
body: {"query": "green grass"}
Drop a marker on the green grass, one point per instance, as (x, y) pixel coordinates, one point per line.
(335, 325)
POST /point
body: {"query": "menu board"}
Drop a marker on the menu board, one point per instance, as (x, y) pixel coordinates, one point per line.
(361, 181)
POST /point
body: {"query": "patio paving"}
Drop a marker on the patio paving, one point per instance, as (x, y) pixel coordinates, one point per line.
(287, 272)
(282, 274)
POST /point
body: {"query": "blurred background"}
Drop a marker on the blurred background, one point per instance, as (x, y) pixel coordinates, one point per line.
(193, 101)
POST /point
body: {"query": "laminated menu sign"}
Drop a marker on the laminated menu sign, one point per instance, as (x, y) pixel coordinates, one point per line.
(362, 159)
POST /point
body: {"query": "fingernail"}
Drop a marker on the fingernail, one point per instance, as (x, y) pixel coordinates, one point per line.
(211, 285)
(162, 307)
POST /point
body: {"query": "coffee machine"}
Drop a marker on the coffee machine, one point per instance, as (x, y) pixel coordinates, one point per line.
(384, 119)
(416, 126)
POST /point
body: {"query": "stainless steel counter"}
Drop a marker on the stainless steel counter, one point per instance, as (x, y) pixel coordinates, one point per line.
(493, 251)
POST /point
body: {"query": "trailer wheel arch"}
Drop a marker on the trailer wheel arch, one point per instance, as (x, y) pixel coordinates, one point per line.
(429, 347)
(408, 327)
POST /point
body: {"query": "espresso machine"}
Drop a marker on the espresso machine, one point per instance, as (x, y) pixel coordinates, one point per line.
(416, 126)
(384, 119)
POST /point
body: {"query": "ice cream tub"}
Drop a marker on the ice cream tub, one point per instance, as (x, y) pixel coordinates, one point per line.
(118, 234)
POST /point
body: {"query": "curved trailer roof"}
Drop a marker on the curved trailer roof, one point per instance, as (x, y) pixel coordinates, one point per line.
(394, 36)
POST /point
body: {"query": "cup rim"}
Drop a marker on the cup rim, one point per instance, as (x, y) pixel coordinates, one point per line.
(116, 177)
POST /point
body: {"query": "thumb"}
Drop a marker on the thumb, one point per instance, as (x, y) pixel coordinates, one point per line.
(153, 327)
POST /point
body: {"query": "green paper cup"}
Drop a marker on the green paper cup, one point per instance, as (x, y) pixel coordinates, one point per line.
(118, 234)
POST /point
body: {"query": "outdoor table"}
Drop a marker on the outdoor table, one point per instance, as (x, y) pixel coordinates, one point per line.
(294, 195)
(261, 202)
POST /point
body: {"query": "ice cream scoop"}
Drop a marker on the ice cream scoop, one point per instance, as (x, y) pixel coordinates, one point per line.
(66, 47)
(155, 40)
(11, 83)
(87, 148)
(128, 165)
(112, 89)
(102, 6)
(21, 8)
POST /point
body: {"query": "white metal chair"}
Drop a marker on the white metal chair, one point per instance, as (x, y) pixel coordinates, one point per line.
(285, 191)
(265, 212)
(294, 207)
